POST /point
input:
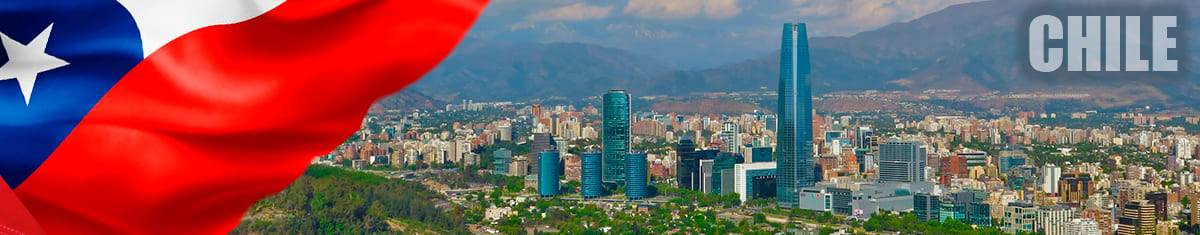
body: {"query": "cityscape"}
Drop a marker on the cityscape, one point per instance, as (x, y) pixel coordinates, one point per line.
(598, 165)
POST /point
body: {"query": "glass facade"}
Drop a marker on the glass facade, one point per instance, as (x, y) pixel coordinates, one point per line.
(688, 164)
(615, 135)
(591, 176)
(761, 154)
(724, 162)
(636, 181)
(548, 174)
(901, 161)
(500, 160)
(794, 138)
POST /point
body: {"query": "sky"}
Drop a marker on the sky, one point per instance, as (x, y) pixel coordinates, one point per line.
(729, 30)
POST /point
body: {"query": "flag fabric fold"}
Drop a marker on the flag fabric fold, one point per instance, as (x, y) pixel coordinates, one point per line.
(224, 115)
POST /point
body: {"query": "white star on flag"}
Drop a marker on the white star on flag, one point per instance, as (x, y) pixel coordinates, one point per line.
(25, 61)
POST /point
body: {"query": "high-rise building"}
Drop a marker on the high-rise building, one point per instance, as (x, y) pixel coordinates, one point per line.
(548, 174)
(761, 154)
(901, 161)
(616, 135)
(862, 137)
(1075, 186)
(743, 177)
(770, 122)
(1052, 220)
(1137, 218)
(1050, 176)
(954, 165)
(706, 176)
(1083, 227)
(636, 181)
(1159, 200)
(501, 158)
(926, 206)
(542, 142)
(795, 136)
(724, 163)
(687, 166)
(592, 175)
(505, 132)
(729, 136)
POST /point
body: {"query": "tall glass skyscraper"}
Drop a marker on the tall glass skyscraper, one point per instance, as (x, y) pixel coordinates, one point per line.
(638, 183)
(591, 176)
(794, 138)
(548, 174)
(616, 135)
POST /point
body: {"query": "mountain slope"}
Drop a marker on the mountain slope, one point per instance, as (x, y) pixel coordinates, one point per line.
(496, 70)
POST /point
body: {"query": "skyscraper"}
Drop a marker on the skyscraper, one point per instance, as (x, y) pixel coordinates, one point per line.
(548, 174)
(688, 165)
(591, 175)
(636, 181)
(542, 142)
(794, 138)
(1050, 176)
(1137, 217)
(616, 135)
(901, 161)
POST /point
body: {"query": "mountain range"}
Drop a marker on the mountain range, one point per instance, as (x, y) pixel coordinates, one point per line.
(972, 47)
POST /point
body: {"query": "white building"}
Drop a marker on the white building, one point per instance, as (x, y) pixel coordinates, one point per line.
(1052, 220)
(744, 173)
(1050, 177)
(1083, 227)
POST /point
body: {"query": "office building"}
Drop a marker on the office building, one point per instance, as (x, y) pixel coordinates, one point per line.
(592, 175)
(706, 176)
(542, 142)
(636, 181)
(687, 166)
(761, 154)
(1011, 159)
(1050, 176)
(863, 137)
(794, 139)
(1019, 217)
(500, 160)
(505, 132)
(722, 165)
(764, 186)
(1075, 186)
(1137, 218)
(926, 206)
(840, 200)
(616, 139)
(744, 174)
(548, 174)
(1159, 200)
(901, 161)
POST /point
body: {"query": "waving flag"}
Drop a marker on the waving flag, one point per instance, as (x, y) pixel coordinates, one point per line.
(174, 116)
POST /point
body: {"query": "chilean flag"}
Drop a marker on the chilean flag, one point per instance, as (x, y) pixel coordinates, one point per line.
(175, 116)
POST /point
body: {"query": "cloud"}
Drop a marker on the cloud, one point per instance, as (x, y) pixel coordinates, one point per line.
(683, 9)
(577, 11)
(845, 17)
